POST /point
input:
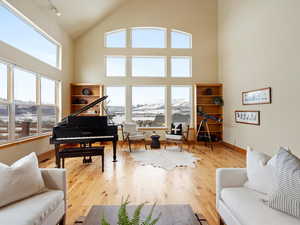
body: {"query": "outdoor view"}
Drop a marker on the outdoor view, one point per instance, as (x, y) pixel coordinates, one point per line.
(3, 123)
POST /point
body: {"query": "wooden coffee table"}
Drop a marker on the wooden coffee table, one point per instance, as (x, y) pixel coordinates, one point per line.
(171, 214)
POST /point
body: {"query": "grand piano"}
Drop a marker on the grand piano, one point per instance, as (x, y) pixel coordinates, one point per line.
(84, 130)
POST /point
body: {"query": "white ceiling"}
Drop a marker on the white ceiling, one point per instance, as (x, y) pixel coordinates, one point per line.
(79, 15)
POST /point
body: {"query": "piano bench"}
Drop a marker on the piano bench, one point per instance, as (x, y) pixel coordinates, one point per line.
(81, 152)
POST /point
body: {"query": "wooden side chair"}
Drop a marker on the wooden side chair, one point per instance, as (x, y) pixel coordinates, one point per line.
(131, 134)
(179, 139)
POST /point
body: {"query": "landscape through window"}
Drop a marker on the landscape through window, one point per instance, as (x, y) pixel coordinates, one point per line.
(116, 103)
(181, 104)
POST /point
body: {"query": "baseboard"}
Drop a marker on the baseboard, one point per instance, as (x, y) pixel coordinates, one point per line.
(234, 147)
(46, 155)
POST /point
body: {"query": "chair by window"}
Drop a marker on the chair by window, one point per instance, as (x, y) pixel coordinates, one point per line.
(180, 139)
(131, 134)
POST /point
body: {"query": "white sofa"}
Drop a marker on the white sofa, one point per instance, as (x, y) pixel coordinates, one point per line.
(47, 208)
(238, 205)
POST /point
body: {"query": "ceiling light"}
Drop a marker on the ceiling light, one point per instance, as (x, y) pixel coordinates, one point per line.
(54, 9)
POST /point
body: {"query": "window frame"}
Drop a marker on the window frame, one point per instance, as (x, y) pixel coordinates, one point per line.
(7, 81)
(182, 32)
(153, 28)
(10, 102)
(125, 69)
(149, 56)
(116, 31)
(29, 22)
(190, 67)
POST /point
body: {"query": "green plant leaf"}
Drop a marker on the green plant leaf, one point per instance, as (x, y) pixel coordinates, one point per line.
(123, 215)
(104, 222)
(136, 215)
(149, 217)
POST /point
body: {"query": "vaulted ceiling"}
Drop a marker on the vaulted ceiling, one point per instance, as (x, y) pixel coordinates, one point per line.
(77, 16)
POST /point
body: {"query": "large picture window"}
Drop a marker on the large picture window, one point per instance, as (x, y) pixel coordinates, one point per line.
(3, 81)
(181, 104)
(116, 103)
(31, 41)
(148, 66)
(31, 109)
(148, 106)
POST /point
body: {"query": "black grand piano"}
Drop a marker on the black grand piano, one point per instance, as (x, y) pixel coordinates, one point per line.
(84, 130)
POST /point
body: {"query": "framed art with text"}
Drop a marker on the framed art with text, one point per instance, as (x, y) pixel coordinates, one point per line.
(256, 97)
(247, 117)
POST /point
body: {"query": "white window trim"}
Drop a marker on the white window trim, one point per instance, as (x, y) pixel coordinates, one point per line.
(149, 56)
(40, 31)
(153, 28)
(191, 67)
(183, 32)
(112, 32)
(115, 76)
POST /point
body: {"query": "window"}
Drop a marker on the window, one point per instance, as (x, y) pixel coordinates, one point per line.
(32, 109)
(116, 66)
(116, 103)
(3, 81)
(148, 106)
(180, 39)
(4, 119)
(148, 37)
(148, 66)
(48, 118)
(115, 39)
(24, 86)
(181, 104)
(17, 31)
(181, 66)
(47, 91)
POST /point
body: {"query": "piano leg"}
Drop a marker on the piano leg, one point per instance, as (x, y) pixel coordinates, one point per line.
(57, 159)
(115, 151)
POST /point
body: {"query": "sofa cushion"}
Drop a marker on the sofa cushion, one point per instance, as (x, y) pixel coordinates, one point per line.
(33, 210)
(20, 180)
(248, 208)
(260, 172)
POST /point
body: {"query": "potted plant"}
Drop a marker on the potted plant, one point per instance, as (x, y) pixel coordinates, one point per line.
(123, 218)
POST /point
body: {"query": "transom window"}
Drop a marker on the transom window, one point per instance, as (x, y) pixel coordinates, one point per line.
(116, 66)
(148, 37)
(19, 32)
(180, 39)
(148, 66)
(181, 66)
(116, 39)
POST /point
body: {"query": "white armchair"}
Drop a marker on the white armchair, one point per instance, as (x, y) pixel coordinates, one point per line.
(131, 134)
(47, 208)
(178, 139)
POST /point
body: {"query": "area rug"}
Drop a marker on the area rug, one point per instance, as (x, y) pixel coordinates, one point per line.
(166, 159)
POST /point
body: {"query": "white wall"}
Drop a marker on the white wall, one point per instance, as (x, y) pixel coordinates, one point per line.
(11, 54)
(198, 17)
(259, 47)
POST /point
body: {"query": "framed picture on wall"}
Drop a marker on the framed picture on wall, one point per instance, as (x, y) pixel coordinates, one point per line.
(256, 97)
(247, 117)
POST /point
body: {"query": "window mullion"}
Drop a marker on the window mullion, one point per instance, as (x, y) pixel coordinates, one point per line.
(38, 103)
(128, 104)
(168, 106)
(11, 127)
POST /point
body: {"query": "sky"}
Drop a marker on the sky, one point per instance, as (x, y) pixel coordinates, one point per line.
(19, 34)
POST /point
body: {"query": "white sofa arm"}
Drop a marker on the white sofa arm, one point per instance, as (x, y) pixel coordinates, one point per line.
(229, 177)
(55, 179)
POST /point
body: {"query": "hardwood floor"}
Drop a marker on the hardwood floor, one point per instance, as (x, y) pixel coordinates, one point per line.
(88, 186)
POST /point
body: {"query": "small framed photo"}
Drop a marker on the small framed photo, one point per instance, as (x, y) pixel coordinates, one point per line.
(256, 97)
(247, 117)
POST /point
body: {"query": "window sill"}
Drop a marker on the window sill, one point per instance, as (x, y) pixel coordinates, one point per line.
(24, 140)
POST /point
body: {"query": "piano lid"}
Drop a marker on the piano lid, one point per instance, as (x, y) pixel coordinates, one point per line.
(85, 108)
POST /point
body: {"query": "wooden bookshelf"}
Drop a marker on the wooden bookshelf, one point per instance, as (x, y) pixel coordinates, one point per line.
(204, 99)
(79, 99)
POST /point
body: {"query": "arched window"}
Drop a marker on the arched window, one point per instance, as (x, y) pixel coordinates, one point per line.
(115, 39)
(180, 39)
(148, 37)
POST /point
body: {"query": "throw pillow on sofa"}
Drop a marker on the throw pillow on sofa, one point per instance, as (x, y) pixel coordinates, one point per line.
(20, 180)
(260, 172)
(287, 196)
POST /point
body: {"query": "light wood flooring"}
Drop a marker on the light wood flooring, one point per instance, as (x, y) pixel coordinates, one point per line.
(88, 186)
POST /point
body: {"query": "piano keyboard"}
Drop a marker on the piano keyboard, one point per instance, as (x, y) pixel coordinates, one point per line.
(83, 138)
